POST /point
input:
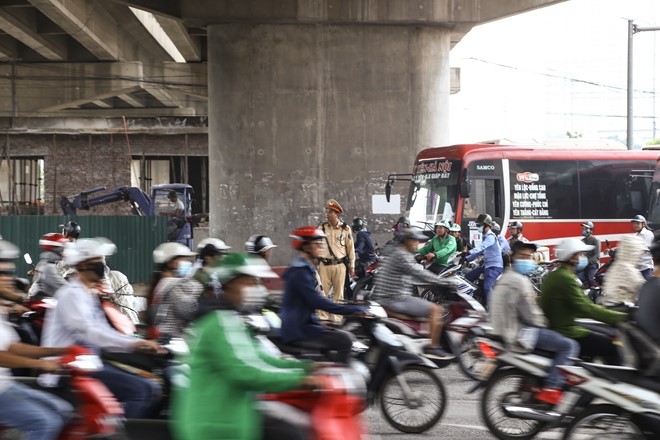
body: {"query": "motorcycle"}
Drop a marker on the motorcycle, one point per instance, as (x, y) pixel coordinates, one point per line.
(511, 381)
(101, 416)
(411, 396)
(327, 413)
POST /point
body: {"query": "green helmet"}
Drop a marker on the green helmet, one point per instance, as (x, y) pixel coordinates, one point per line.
(455, 228)
(237, 264)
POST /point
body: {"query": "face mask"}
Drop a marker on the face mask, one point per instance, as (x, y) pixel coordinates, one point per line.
(582, 263)
(524, 267)
(97, 268)
(183, 268)
(254, 298)
(585, 233)
(400, 228)
(480, 229)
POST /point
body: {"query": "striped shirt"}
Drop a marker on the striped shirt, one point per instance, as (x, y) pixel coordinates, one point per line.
(398, 274)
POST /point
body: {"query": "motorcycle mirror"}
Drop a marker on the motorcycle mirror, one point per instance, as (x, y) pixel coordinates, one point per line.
(388, 189)
(27, 258)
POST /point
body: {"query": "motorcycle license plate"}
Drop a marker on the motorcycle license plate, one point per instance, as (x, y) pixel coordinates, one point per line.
(567, 403)
(486, 370)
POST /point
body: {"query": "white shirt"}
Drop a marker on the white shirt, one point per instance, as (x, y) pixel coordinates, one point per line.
(8, 336)
(647, 261)
(79, 319)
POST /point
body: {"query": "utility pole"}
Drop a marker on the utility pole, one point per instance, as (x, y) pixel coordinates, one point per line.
(632, 30)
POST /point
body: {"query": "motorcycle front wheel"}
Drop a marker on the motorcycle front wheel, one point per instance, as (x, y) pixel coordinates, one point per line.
(603, 422)
(507, 387)
(414, 400)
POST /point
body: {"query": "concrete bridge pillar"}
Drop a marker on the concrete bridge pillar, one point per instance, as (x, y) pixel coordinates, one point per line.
(299, 113)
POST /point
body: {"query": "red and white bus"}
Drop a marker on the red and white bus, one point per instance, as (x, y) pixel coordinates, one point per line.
(550, 189)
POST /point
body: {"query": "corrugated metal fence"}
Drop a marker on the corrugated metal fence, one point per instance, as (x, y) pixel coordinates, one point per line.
(135, 237)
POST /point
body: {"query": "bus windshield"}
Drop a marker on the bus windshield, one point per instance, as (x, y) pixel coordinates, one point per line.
(434, 191)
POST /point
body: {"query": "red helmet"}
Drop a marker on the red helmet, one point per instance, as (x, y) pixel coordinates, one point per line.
(305, 234)
(52, 241)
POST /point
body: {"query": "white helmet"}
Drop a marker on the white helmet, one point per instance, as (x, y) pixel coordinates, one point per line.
(259, 243)
(168, 251)
(8, 250)
(569, 247)
(215, 242)
(84, 249)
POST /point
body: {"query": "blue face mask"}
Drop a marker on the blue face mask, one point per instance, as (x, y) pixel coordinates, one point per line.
(480, 229)
(582, 263)
(183, 268)
(585, 233)
(524, 267)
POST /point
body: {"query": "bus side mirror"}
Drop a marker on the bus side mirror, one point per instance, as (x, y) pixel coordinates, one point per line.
(388, 189)
(465, 189)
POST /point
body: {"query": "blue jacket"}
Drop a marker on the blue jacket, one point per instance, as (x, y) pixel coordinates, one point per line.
(364, 247)
(490, 249)
(302, 297)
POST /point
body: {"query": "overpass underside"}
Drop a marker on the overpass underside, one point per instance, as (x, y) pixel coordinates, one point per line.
(291, 101)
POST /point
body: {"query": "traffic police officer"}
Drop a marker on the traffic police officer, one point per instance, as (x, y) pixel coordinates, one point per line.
(339, 253)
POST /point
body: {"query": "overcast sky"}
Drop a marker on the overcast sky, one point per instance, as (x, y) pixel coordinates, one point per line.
(557, 69)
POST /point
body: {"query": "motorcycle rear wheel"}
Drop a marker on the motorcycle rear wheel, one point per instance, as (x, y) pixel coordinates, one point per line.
(510, 386)
(603, 422)
(425, 409)
(468, 355)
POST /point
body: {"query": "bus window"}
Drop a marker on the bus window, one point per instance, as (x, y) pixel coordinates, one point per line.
(544, 189)
(654, 208)
(485, 198)
(607, 190)
(434, 191)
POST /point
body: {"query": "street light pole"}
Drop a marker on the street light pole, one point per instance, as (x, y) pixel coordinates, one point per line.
(632, 30)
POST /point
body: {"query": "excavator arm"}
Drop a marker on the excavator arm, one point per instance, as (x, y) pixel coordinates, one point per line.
(138, 199)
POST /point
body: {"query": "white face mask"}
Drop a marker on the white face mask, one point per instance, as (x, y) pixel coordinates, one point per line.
(254, 298)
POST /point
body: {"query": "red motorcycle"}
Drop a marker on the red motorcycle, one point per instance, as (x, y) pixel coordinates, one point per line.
(100, 414)
(331, 413)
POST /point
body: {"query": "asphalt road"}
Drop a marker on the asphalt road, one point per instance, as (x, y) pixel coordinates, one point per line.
(461, 420)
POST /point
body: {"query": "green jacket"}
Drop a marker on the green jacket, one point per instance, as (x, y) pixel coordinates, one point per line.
(442, 248)
(563, 300)
(227, 370)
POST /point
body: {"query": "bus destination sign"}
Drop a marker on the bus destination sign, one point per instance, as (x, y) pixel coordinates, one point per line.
(434, 169)
(529, 198)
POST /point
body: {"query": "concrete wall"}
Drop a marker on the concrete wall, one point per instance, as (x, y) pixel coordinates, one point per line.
(302, 113)
(73, 163)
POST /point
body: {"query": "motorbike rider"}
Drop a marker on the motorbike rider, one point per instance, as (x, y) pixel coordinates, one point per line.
(517, 318)
(261, 246)
(210, 252)
(623, 279)
(364, 247)
(638, 223)
(175, 299)
(79, 319)
(303, 295)
(455, 231)
(394, 284)
(439, 249)
(649, 300)
(402, 223)
(515, 230)
(493, 265)
(47, 277)
(228, 368)
(39, 415)
(504, 243)
(563, 300)
(587, 274)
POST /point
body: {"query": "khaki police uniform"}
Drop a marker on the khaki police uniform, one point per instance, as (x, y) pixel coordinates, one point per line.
(332, 269)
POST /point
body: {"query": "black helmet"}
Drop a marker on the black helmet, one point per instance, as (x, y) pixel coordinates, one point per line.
(485, 219)
(409, 233)
(404, 219)
(358, 224)
(71, 229)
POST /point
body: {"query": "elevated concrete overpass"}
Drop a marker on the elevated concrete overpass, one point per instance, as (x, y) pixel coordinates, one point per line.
(302, 99)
